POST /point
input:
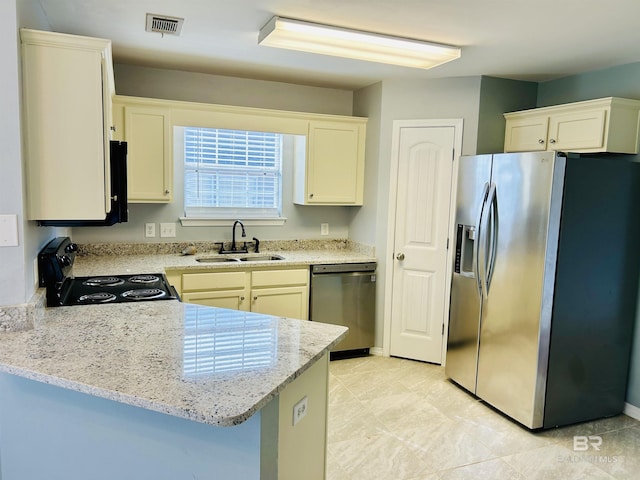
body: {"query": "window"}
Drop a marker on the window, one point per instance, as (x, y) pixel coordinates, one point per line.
(232, 173)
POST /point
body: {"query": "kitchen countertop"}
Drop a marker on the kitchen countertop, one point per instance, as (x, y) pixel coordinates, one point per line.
(159, 355)
(125, 264)
(151, 354)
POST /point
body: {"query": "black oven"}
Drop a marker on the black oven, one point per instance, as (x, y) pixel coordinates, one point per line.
(55, 265)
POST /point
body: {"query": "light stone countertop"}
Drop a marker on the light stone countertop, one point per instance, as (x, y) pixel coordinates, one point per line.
(161, 263)
(155, 355)
(147, 354)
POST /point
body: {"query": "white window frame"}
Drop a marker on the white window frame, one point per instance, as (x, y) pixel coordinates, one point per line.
(245, 162)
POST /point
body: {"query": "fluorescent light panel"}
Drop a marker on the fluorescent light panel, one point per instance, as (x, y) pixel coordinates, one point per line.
(341, 42)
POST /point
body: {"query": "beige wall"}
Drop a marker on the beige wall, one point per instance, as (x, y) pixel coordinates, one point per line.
(302, 221)
(402, 100)
(200, 87)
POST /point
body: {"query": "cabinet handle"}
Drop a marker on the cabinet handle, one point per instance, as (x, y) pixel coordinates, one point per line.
(166, 192)
(551, 140)
(242, 299)
(113, 128)
(540, 141)
(311, 195)
(400, 256)
(255, 298)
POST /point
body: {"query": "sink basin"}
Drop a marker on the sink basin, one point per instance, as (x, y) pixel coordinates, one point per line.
(244, 258)
(216, 259)
(260, 258)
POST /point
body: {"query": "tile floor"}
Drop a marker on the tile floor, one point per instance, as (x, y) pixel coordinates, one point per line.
(395, 419)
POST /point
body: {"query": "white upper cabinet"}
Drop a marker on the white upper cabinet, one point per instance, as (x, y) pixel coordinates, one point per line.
(67, 90)
(146, 127)
(332, 171)
(328, 164)
(603, 125)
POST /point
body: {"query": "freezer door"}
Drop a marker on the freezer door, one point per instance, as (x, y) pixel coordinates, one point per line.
(516, 313)
(474, 175)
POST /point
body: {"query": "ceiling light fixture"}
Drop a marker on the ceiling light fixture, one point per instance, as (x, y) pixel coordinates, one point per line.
(341, 42)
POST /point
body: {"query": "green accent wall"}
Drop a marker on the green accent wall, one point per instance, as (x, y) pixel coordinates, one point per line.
(498, 96)
(621, 81)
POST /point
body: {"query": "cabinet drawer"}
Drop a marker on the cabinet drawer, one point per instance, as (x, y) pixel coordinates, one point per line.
(271, 278)
(213, 281)
(232, 299)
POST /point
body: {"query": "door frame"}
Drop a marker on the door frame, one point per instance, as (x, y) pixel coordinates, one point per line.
(457, 124)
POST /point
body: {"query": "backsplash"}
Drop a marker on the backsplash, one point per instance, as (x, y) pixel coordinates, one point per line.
(15, 318)
(103, 249)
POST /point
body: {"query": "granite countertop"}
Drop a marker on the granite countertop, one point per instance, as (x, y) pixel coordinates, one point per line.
(160, 263)
(161, 356)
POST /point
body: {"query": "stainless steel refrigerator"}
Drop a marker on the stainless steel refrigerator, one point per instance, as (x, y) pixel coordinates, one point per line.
(545, 284)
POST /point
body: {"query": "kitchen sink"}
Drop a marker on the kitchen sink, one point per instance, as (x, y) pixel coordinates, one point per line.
(216, 259)
(260, 258)
(244, 258)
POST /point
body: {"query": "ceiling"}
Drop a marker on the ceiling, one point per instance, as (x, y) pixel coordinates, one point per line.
(534, 40)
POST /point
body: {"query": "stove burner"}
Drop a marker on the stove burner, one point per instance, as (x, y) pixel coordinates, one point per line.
(144, 293)
(144, 279)
(99, 297)
(103, 282)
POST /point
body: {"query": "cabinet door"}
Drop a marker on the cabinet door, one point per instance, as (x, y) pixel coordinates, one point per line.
(335, 163)
(149, 161)
(528, 134)
(577, 130)
(291, 302)
(65, 85)
(233, 299)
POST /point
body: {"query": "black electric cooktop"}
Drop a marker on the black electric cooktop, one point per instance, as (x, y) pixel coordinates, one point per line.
(115, 289)
(55, 264)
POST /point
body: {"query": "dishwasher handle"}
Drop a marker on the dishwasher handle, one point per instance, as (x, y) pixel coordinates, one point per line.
(343, 268)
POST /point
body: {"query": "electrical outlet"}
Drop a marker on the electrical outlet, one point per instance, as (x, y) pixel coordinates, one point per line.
(300, 410)
(149, 229)
(36, 273)
(167, 229)
(324, 229)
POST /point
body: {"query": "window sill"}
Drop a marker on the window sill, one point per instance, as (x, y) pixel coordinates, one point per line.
(226, 222)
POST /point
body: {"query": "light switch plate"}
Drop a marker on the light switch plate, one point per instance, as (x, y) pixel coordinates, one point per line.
(324, 229)
(167, 229)
(8, 230)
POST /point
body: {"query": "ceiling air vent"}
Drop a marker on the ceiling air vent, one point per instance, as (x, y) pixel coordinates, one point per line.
(164, 24)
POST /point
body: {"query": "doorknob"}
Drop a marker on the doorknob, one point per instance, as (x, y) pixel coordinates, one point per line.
(400, 256)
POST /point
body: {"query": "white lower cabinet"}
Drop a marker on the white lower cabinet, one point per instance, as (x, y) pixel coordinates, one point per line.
(233, 299)
(283, 293)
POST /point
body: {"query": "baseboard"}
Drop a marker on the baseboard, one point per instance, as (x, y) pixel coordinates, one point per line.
(632, 411)
(376, 351)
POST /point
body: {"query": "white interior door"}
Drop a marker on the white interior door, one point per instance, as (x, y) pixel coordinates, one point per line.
(420, 277)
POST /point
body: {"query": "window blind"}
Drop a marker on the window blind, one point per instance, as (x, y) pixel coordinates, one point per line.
(232, 173)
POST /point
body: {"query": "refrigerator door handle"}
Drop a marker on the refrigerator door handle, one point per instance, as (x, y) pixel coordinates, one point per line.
(493, 235)
(477, 244)
(484, 241)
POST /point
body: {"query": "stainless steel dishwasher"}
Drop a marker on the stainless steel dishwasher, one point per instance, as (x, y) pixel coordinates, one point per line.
(345, 294)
